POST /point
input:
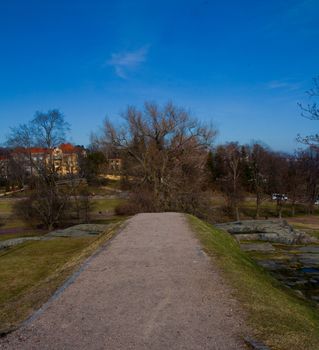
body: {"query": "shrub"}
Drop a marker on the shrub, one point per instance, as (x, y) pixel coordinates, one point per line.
(126, 209)
(139, 202)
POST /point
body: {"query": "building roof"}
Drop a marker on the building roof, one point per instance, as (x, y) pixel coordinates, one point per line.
(68, 148)
(65, 148)
(32, 150)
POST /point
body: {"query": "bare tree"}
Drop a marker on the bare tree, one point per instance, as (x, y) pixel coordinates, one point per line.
(276, 175)
(49, 128)
(295, 181)
(49, 202)
(309, 167)
(45, 130)
(258, 159)
(163, 148)
(311, 111)
(229, 174)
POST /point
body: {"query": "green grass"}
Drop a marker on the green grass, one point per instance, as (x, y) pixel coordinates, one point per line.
(314, 233)
(308, 228)
(111, 187)
(278, 317)
(5, 206)
(107, 204)
(269, 209)
(32, 271)
(98, 190)
(12, 222)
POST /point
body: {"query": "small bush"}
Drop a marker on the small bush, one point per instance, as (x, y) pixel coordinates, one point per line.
(23, 210)
(126, 209)
(47, 205)
(139, 202)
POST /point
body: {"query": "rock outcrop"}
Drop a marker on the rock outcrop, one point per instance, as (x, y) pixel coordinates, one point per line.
(277, 231)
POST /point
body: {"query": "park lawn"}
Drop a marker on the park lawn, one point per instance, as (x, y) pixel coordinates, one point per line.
(269, 209)
(11, 222)
(6, 207)
(277, 316)
(99, 190)
(112, 186)
(17, 228)
(107, 204)
(31, 272)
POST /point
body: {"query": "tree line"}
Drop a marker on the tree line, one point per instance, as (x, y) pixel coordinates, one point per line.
(241, 170)
(171, 164)
(168, 163)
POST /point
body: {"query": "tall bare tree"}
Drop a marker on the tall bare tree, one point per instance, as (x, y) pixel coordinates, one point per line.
(229, 161)
(258, 158)
(311, 111)
(309, 166)
(48, 202)
(295, 181)
(166, 150)
(49, 128)
(45, 130)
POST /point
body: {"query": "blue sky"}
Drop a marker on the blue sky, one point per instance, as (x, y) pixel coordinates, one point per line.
(241, 65)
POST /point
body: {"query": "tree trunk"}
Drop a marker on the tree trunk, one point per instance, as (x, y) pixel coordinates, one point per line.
(279, 209)
(293, 209)
(310, 209)
(237, 213)
(280, 213)
(257, 206)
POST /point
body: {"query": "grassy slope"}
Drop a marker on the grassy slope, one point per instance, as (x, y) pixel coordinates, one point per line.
(278, 317)
(31, 272)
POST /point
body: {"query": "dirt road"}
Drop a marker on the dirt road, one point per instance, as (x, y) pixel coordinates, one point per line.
(151, 288)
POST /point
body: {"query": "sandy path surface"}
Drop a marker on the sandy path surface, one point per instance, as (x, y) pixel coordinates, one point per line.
(151, 288)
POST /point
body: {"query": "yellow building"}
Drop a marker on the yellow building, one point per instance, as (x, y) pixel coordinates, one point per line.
(65, 159)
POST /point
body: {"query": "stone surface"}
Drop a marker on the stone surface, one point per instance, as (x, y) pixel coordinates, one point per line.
(260, 247)
(278, 231)
(15, 241)
(82, 230)
(295, 266)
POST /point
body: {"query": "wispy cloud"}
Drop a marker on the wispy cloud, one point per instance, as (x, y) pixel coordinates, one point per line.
(282, 84)
(124, 62)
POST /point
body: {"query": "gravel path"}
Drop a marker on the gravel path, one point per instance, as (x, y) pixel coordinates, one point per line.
(151, 288)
